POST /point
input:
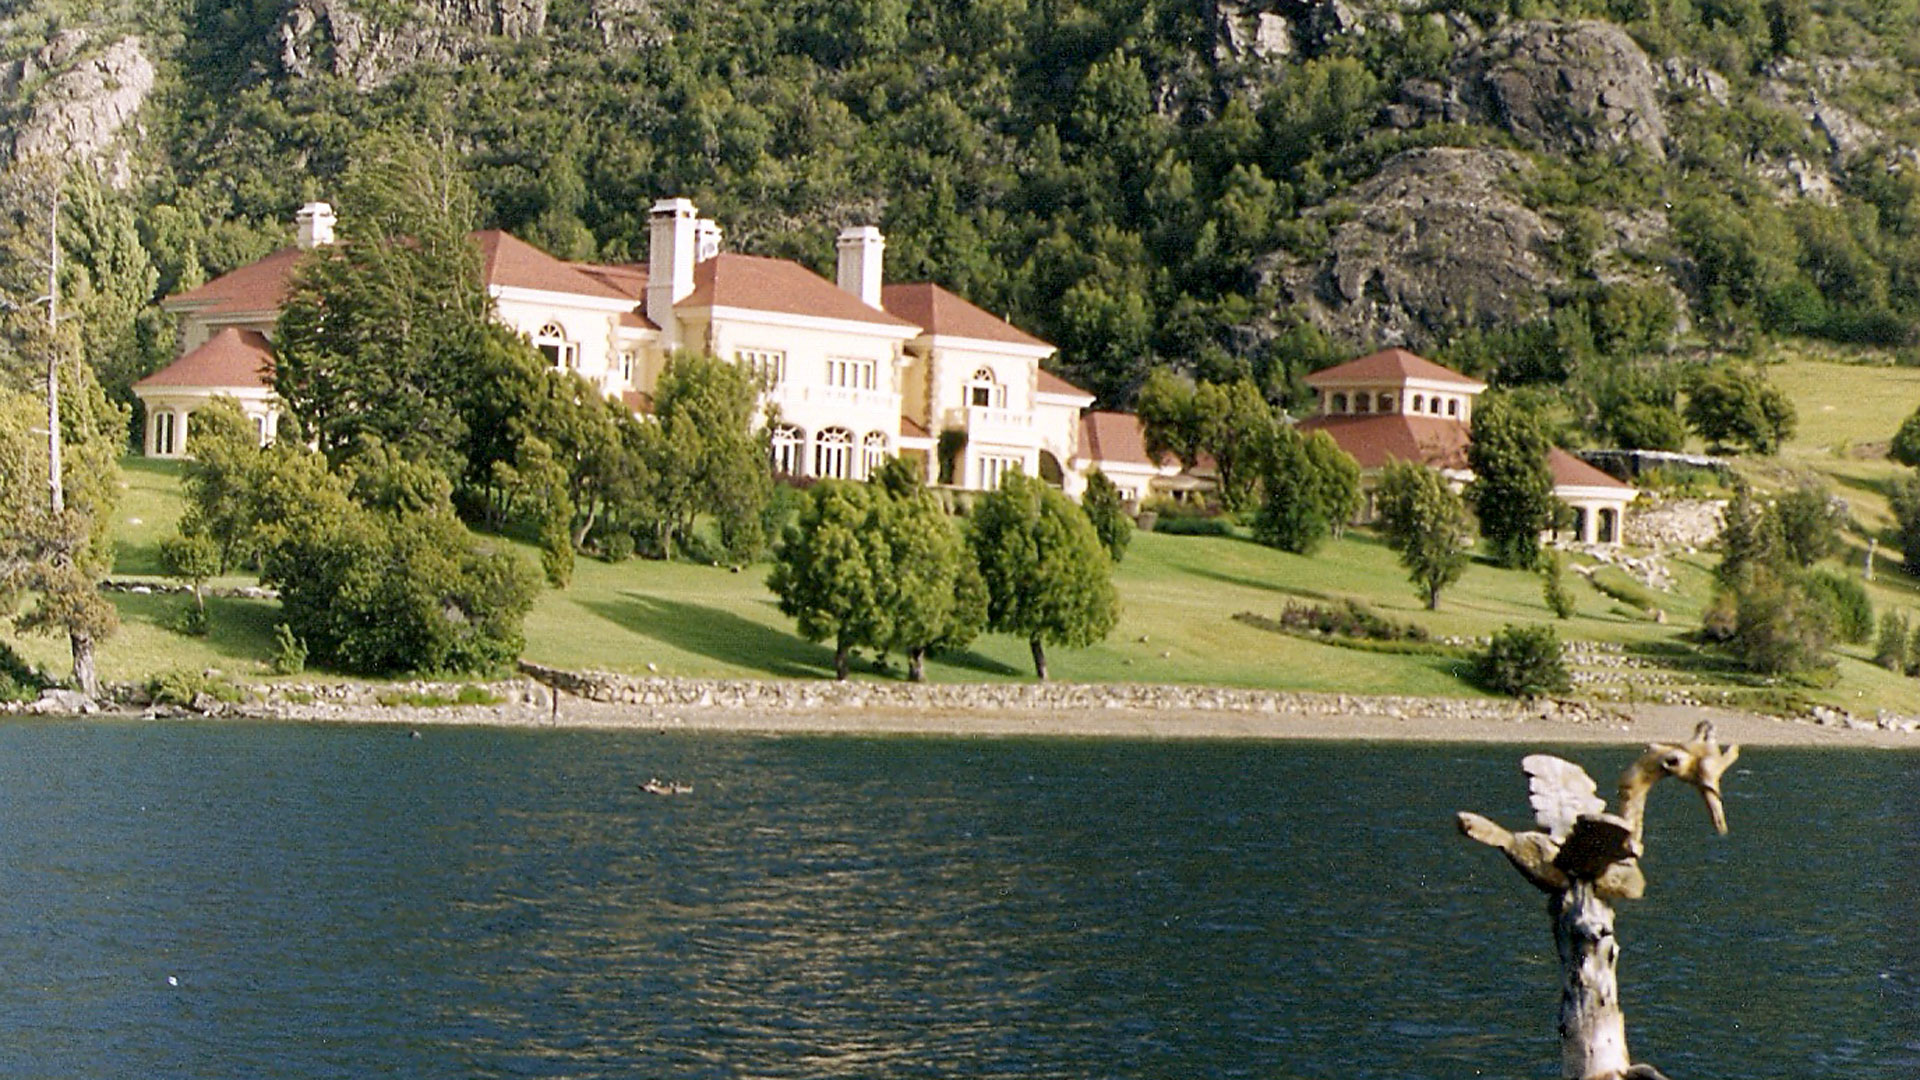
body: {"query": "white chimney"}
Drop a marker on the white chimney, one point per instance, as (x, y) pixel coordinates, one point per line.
(706, 240)
(670, 259)
(315, 223)
(861, 250)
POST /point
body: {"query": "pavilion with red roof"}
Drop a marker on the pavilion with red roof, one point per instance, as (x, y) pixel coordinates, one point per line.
(1394, 405)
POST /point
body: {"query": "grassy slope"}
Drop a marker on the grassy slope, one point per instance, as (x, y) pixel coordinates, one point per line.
(1177, 593)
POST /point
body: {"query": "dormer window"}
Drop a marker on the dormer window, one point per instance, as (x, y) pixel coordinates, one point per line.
(985, 392)
(1419, 403)
(1362, 403)
(1338, 404)
(1453, 406)
(1386, 403)
(552, 342)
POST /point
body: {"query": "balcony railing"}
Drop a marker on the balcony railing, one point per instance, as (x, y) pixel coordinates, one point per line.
(788, 395)
(985, 422)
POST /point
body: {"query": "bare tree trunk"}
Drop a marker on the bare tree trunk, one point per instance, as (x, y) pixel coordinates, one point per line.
(85, 676)
(840, 652)
(1593, 1030)
(1039, 657)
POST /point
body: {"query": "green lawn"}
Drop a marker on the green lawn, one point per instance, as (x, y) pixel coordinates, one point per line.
(1178, 596)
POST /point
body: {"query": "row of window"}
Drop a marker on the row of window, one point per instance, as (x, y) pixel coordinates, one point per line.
(1363, 402)
(833, 453)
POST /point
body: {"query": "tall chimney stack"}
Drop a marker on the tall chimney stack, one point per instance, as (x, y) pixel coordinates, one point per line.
(314, 223)
(706, 239)
(862, 250)
(670, 258)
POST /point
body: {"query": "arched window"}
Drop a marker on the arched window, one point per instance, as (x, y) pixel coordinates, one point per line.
(786, 442)
(1419, 403)
(1453, 406)
(873, 453)
(1362, 402)
(985, 392)
(1386, 403)
(552, 342)
(1338, 404)
(833, 453)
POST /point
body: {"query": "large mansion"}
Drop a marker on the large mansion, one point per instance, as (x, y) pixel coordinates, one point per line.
(1396, 406)
(859, 370)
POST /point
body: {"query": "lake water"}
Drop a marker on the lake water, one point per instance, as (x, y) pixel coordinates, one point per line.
(187, 899)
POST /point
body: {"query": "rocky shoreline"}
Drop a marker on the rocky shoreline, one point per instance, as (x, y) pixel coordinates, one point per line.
(552, 697)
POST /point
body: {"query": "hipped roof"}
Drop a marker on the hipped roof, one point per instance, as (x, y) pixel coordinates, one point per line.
(232, 359)
(756, 283)
(1390, 365)
(938, 311)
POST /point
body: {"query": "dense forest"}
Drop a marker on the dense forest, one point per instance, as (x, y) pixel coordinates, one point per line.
(1564, 193)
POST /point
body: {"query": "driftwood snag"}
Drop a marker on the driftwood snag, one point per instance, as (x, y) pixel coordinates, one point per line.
(1584, 858)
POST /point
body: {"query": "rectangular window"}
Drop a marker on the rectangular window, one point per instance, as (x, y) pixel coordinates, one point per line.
(851, 373)
(767, 366)
(994, 468)
(563, 355)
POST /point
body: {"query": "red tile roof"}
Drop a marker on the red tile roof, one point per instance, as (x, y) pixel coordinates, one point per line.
(938, 311)
(1114, 436)
(1570, 471)
(258, 286)
(1376, 440)
(637, 402)
(1054, 384)
(627, 279)
(761, 284)
(1389, 365)
(232, 359)
(507, 260)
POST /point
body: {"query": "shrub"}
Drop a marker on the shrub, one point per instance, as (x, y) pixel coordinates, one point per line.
(1352, 619)
(1194, 526)
(1523, 661)
(191, 621)
(1553, 586)
(181, 687)
(289, 653)
(433, 699)
(1810, 521)
(1108, 513)
(18, 680)
(1890, 649)
(617, 546)
(1848, 610)
(1778, 629)
(1618, 584)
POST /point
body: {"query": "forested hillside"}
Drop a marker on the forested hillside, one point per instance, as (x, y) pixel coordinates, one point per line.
(1538, 191)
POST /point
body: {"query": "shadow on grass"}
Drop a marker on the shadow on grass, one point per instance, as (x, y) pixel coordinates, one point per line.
(972, 661)
(238, 629)
(715, 634)
(1253, 583)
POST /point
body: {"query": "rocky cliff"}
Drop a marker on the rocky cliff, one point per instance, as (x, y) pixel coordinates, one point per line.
(76, 99)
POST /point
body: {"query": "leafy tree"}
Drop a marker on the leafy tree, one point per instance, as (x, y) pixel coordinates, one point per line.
(1810, 520)
(1524, 661)
(1108, 512)
(1778, 628)
(219, 479)
(1905, 447)
(1890, 646)
(831, 571)
(1312, 489)
(1426, 523)
(192, 557)
(704, 456)
(1645, 426)
(60, 439)
(384, 332)
(1848, 610)
(931, 587)
(1046, 575)
(1727, 407)
(377, 591)
(1512, 489)
(1904, 499)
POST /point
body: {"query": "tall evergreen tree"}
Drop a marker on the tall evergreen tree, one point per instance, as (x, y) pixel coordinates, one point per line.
(1512, 490)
